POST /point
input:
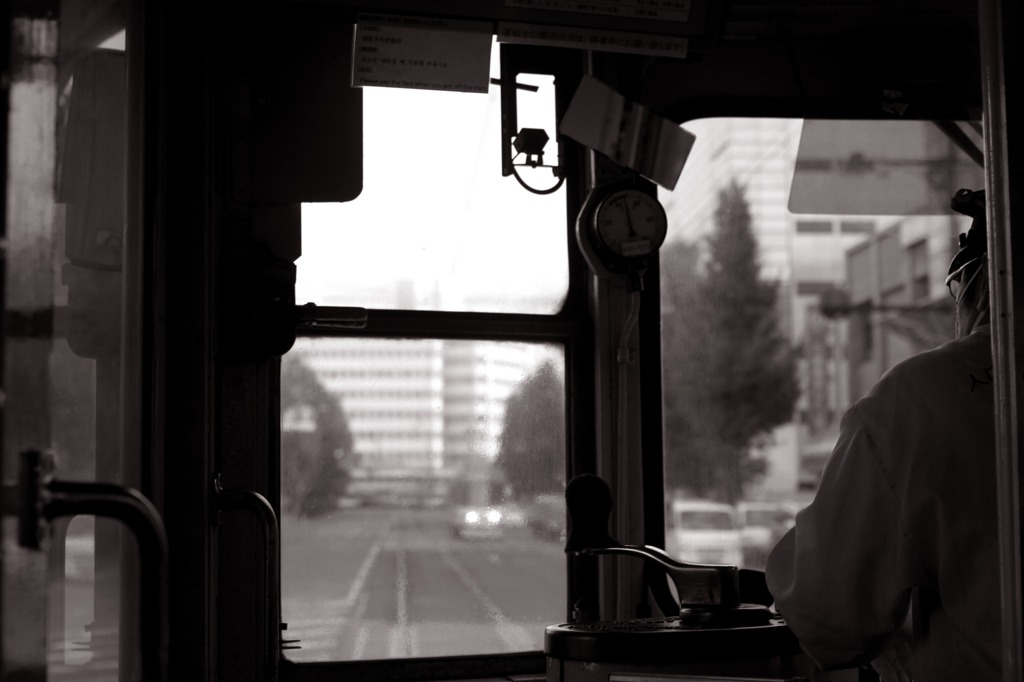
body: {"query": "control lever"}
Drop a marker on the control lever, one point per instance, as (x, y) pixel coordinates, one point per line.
(701, 588)
(696, 584)
(724, 623)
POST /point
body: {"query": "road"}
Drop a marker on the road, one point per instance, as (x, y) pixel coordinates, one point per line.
(395, 583)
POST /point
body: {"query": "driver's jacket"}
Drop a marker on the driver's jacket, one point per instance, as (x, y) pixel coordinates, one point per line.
(907, 500)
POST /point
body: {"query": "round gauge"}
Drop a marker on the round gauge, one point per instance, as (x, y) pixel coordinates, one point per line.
(630, 223)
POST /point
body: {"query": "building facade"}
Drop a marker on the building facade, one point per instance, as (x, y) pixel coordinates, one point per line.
(426, 416)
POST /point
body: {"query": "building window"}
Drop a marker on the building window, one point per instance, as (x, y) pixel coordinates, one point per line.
(856, 227)
(813, 227)
(810, 288)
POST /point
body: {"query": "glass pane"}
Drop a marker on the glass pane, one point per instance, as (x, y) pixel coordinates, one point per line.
(80, 581)
(415, 479)
(751, 418)
(70, 384)
(437, 227)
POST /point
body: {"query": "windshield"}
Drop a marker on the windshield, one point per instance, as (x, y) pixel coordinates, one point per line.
(436, 226)
(803, 259)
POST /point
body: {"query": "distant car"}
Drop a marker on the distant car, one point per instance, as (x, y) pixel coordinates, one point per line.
(761, 526)
(478, 522)
(706, 532)
(512, 515)
(546, 517)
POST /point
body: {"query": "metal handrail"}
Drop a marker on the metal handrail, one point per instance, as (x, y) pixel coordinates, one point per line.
(249, 500)
(43, 497)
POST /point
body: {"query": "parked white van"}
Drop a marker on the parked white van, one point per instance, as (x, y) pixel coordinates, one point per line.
(706, 532)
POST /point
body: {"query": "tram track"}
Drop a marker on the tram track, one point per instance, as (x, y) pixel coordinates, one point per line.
(418, 592)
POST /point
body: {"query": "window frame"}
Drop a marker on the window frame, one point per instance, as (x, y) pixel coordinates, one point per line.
(570, 327)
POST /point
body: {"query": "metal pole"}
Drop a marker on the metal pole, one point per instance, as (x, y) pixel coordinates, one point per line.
(999, 22)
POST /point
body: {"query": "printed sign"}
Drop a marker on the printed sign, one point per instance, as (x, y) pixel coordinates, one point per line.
(421, 53)
(627, 132)
(592, 39)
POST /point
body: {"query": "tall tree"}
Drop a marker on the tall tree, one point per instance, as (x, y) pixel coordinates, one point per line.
(315, 437)
(532, 450)
(730, 371)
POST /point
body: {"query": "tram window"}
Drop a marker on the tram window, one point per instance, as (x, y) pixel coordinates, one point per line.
(415, 478)
(436, 226)
(749, 418)
(72, 384)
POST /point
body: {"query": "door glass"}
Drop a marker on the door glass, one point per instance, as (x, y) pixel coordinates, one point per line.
(416, 477)
(70, 378)
(831, 239)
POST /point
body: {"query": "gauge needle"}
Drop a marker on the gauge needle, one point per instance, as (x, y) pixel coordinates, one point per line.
(629, 218)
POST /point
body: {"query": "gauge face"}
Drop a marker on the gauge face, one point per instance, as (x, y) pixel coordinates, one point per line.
(631, 223)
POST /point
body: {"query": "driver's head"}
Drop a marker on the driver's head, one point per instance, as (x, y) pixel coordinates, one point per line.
(967, 277)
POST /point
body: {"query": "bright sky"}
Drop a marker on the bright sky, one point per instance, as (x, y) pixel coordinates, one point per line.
(435, 208)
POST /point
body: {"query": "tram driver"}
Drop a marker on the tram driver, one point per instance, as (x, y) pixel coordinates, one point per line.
(895, 562)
